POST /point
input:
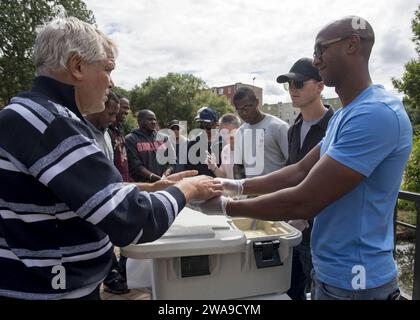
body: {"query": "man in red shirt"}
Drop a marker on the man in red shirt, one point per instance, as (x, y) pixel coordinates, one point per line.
(116, 132)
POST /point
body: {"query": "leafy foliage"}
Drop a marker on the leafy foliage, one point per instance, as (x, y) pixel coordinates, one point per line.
(410, 82)
(19, 20)
(176, 96)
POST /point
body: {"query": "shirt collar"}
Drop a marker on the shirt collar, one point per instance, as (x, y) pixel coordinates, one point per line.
(58, 92)
(323, 123)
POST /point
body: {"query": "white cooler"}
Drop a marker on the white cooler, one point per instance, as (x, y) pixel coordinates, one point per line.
(215, 257)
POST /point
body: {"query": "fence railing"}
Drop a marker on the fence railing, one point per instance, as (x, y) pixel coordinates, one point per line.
(413, 197)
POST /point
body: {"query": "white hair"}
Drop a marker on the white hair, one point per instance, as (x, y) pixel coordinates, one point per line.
(63, 38)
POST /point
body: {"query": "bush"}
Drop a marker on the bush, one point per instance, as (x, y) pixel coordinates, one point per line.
(130, 123)
(412, 171)
(411, 181)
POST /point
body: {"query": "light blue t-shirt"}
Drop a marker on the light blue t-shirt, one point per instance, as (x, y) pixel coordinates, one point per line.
(353, 236)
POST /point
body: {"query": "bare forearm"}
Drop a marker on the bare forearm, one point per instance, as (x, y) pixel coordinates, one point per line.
(284, 178)
(144, 186)
(327, 182)
(282, 205)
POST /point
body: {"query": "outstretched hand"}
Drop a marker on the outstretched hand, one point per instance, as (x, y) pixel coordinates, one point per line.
(200, 188)
(211, 161)
(181, 175)
(214, 206)
(232, 188)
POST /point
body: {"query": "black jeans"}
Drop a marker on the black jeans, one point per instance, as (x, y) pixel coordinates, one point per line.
(301, 280)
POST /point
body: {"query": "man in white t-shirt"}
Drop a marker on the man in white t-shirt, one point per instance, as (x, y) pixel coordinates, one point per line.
(261, 142)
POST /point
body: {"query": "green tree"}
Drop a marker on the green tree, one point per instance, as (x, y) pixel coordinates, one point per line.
(410, 82)
(176, 96)
(19, 20)
(129, 123)
(121, 92)
(207, 98)
(412, 170)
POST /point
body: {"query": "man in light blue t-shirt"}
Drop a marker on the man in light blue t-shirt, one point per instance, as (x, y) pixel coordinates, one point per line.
(349, 182)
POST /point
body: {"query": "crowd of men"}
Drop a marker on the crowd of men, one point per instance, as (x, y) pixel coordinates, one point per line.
(75, 185)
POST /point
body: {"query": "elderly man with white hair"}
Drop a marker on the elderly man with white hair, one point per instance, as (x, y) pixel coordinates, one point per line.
(62, 202)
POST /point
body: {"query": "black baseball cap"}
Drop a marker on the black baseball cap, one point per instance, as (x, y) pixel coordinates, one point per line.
(302, 70)
(174, 123)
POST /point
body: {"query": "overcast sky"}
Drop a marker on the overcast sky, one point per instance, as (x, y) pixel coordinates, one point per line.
(224, 42)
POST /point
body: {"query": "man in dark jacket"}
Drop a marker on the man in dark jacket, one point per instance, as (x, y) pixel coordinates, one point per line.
(305, 86)
(207, 142)
(149, 156)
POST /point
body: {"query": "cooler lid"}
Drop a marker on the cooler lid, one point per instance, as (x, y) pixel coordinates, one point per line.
(192, 233)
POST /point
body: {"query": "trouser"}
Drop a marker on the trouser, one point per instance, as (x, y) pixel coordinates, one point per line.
(117, 265)
(301, 272)
(323, 291)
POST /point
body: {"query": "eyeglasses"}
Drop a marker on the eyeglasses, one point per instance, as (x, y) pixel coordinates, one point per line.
(295, 84)
(320, 48)
(245, 108)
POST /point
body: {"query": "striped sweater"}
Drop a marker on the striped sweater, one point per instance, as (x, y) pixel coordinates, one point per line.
(62, 203)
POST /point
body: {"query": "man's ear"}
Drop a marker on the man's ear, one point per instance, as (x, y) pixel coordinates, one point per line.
(75, 67)
(321, 86)
(353, 45)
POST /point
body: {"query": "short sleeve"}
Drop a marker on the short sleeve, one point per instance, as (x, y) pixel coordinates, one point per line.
(365, 138)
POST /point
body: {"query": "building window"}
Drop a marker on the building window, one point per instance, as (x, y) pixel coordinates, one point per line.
(229, 90)
(220, 90)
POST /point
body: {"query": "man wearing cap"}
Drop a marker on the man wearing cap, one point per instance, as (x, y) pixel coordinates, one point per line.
(179, 143)
(305, 86)
(209, 140)
(261, 142)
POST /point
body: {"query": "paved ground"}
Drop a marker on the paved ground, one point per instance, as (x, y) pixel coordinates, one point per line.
(134, 294)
